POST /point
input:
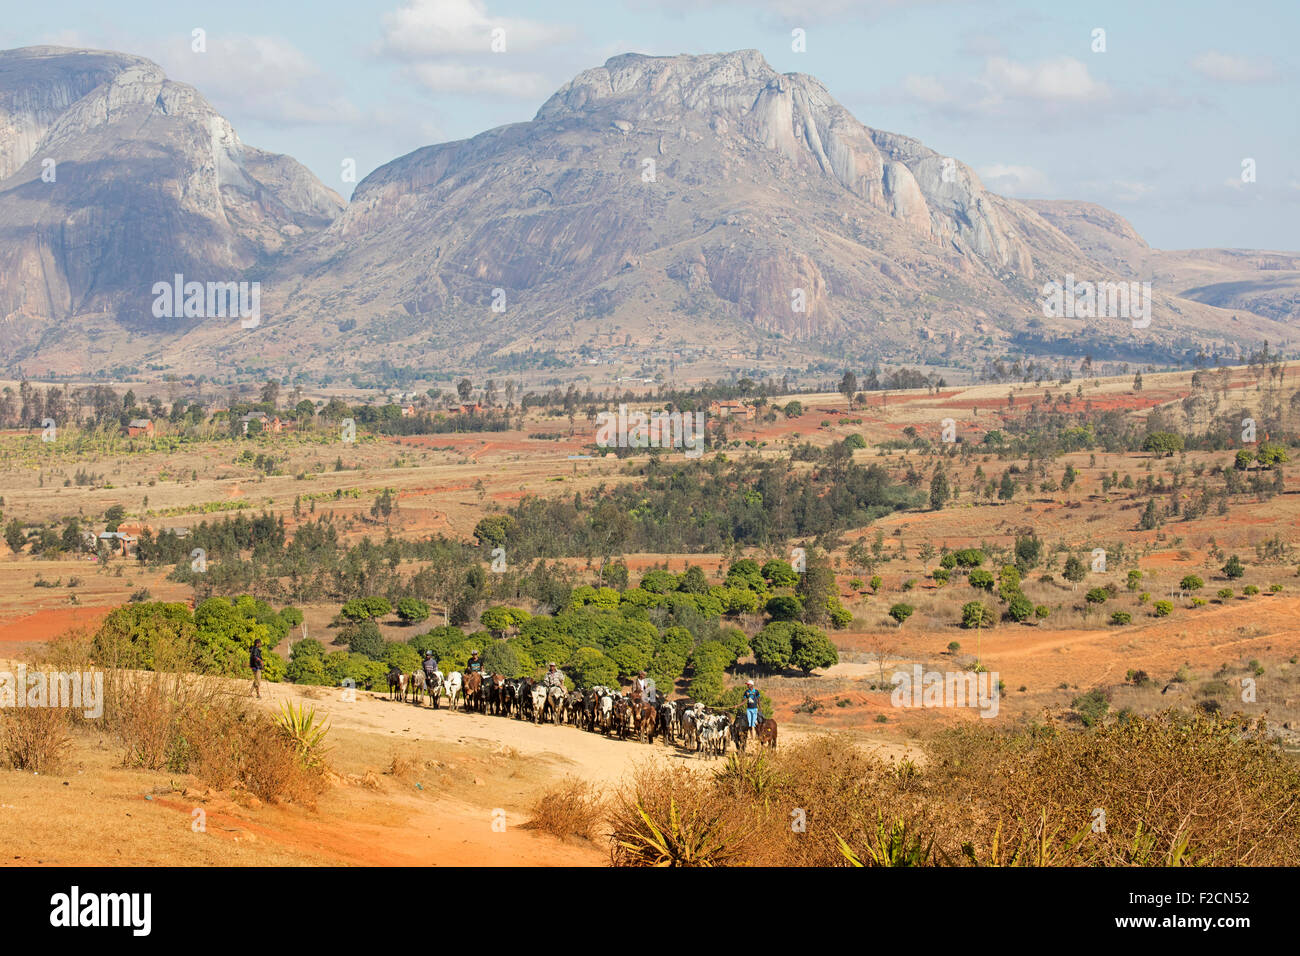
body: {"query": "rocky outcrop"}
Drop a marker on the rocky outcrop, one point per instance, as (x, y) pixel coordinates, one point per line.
(113, 177)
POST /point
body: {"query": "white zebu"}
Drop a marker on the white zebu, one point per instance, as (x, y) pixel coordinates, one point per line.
(451, 685)
(539, 702)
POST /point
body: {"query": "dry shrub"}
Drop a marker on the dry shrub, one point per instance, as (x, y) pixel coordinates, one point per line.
(1175, 789)
(35, 738)
(404, 764)
(573, 808)
(191, 724)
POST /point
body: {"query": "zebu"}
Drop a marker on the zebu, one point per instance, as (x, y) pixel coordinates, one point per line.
(416, 685)
(555, 701)
(606, 713)
(620, 716)
(574, 708)
(496, 694)
(766, 731)
(396, 685)
(538, 695)
(668, 720)
(474, 697)
(434, 685)
(453, 686)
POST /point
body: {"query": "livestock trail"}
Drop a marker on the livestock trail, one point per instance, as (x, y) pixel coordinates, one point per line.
(686, 724)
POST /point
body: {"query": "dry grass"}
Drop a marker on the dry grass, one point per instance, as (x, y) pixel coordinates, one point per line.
(572, 808)
(35, 738)
(1175, 789)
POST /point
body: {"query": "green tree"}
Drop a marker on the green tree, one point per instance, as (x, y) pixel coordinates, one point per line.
(1074, 571)
(811, 649)
(901, 612)
(773, 646)
(1163, 444)
(1234, 568)
(939, 492)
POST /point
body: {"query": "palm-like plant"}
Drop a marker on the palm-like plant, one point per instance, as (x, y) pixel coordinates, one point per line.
(308, 736)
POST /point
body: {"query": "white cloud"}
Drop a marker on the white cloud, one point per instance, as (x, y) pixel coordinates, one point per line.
(1227, 68)
(422, 28)
(446, 46)
(260, 77)
(1063, 79)
(1019, 181)
(1008, 86)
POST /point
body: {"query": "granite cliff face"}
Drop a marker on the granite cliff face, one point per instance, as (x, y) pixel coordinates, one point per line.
(112, 178)
(679, 208)
(707, 199)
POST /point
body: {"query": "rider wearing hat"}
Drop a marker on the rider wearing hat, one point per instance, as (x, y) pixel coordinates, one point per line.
(554, 677)
(430, 665)
(475, 666)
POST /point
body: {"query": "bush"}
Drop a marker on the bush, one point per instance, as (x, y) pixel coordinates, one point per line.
(571, 808)
(941, 576)
(1041, 611)
(1121, 617)
(901, 612)
(977, 614)
(590, 666)
(1163, 608)
(365, 609)
(1225, 595)
(35, 738)
(363, 638)
(1096, 596)
(1020, 609)
(981, 579)
(412, 610)
(1191, 582)
(1250, 590)
(1234, 568)
(785, 608)
(1092, 707)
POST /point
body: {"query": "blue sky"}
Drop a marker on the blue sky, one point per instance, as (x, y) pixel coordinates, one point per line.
(1156, 127)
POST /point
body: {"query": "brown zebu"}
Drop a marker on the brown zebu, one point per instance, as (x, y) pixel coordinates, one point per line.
(646, 719)
(766, 732)
(474, 691)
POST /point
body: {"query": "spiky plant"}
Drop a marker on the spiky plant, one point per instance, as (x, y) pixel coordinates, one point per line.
(299, 722)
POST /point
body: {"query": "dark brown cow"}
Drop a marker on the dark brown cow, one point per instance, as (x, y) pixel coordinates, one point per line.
(766, 731)
(474, 691)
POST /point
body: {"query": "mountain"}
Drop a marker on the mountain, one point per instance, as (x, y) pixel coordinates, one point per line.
(113, 178)
(658, 213)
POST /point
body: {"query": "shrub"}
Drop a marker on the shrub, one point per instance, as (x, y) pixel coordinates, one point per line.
(1225, 594)
(1092, 707)
(901, 612)
(1097, 596)
(1250, 590)
(981, 579)
(412, 610)
(35, 738)
(571, 808)
(1234, 568)
(1163, 608)
(365, 609)
(941, 576)
(977, 614)
(1121, 617)
(953, 647)
(1041, 611)
(1274, 588)
(363, 638)
(1020, 608)
(1191, 582)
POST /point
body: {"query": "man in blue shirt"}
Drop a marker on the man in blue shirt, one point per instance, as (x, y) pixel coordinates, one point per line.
(751, 705)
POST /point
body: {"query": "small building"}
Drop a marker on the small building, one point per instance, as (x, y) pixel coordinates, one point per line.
(469, 409)
(269, 423)
(731, 410)
(140, 426)
(408, 411)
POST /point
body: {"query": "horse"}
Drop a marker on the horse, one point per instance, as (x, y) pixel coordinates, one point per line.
(646, 718)
(396, 685)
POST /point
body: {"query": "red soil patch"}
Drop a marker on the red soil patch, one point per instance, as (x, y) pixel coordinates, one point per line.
(45, 625)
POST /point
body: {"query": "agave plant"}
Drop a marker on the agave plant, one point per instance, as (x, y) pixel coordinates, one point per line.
(895, 845)
(1036, 845)
(308, 736)
(693, 839)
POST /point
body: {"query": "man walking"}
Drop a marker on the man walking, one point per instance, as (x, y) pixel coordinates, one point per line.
(751, 705)
(255, 662)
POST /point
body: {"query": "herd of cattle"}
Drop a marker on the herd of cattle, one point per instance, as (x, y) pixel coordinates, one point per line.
(597, 709)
